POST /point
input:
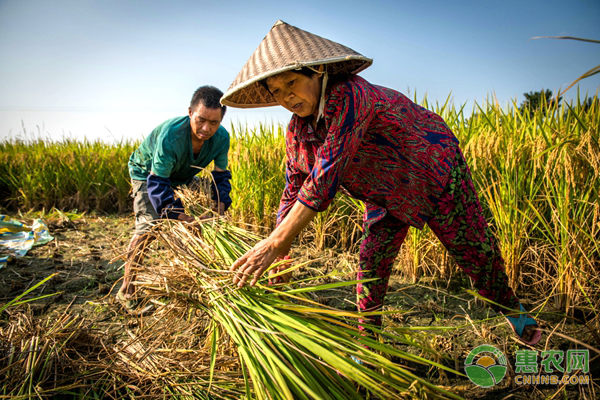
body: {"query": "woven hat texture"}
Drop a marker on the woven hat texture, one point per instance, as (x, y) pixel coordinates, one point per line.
(287, 48)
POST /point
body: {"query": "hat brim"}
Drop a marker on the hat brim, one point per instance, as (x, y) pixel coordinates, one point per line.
(351, 64)
(288, 48)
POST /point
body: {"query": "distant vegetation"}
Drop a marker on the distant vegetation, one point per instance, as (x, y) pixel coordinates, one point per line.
(537, 172)
(535, 101)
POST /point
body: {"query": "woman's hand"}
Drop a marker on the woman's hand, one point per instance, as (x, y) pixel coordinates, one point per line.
(254, 263)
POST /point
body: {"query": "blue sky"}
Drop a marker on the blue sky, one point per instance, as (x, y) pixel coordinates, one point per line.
(140, 61)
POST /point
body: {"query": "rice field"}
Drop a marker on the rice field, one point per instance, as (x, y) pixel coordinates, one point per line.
(538, 175)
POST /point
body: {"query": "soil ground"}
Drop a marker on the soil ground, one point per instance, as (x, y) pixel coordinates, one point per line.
(85, 256)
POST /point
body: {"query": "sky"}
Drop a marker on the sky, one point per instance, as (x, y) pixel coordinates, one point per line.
(116, 69)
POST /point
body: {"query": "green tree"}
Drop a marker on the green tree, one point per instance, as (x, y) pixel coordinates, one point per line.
(538, 100)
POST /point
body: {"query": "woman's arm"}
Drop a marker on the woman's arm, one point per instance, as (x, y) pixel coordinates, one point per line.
(293, 182)
(351, 111)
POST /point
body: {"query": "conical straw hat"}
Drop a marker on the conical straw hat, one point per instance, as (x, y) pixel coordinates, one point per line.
(287, 48)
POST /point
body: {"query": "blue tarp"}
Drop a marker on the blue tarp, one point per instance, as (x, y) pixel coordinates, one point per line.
(16, 239)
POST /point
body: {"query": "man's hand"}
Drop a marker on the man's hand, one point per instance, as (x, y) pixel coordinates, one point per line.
(185, 218)
(206, 215)
(192, 223)
(220, 209)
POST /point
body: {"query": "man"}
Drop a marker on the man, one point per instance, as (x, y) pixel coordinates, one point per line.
(170, 157)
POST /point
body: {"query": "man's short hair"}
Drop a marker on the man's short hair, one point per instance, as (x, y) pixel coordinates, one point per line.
(210, 96)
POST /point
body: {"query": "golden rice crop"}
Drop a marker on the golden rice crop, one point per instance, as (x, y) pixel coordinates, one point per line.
(537, 174)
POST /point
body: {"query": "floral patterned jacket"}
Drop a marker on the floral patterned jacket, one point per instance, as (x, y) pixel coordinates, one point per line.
(378, 145)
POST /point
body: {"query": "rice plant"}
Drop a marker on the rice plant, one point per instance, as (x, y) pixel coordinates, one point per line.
(67, 175)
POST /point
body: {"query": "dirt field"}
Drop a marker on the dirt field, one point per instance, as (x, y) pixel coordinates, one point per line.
(85, 257)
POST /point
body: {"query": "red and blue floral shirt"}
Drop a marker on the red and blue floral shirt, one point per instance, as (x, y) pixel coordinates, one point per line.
(377, 144)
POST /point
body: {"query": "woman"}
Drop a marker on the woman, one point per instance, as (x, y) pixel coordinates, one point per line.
(399, 158)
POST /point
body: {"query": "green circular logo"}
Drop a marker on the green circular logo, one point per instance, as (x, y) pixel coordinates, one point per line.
(483, 369)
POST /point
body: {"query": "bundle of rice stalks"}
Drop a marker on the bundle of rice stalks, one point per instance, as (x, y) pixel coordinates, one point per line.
(289, 346)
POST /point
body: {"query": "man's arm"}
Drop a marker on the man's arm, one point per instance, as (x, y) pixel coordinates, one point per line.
(221, 189)
(163, 199)
(160, 192)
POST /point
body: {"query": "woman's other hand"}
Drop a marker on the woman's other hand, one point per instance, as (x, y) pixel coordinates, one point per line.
(285, 278)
